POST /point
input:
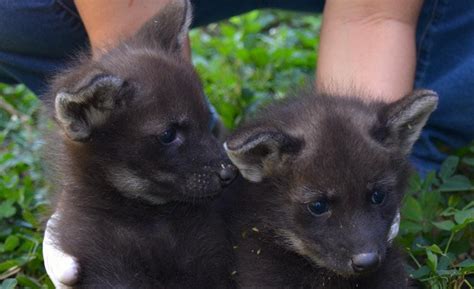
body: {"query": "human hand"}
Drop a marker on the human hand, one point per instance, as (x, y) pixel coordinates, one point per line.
(394, 228)
(109, 22)
(62, 269)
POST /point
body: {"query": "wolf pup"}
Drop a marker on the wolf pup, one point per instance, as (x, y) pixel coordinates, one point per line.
(139, 168)
(328, 177)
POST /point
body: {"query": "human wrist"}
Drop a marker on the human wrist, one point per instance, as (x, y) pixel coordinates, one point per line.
(368, 51)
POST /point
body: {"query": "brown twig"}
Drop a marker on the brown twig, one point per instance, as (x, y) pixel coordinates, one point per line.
(12, 111)
(12, 271)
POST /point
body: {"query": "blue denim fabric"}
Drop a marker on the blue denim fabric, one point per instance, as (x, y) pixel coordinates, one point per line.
(445, 42)
(38, 36)
(208, 11)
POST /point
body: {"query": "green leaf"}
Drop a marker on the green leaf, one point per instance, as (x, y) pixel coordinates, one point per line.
(454, 200)
(443, 263)
(29, 217)
(461, 216)
(466, 271)
(431, 202)
(435, 248)
(444, 225)
(467, 263)
(4, 266)
(8, 284)
(409, 227)
(460, 227)
(414, 183)
(450, 273)
(421, 272)
(448, 167)
(432, 260)
(412, 210)
(468, 206)
(468, 161)
(456, 183)
(28, 282)
(428, 182)
(448, 212)
(7, 209)
(11, 243)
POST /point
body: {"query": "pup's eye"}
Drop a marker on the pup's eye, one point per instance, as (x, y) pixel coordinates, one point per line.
(319, 207)
(377, 197)
(168, 136)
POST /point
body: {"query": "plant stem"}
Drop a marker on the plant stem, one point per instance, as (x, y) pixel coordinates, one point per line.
(449, 243)
(413, 257)
(468, 284)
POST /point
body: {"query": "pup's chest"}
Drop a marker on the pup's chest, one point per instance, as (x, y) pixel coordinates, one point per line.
(166, 252)
(186, 244)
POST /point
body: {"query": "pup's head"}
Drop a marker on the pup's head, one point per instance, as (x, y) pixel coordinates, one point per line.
(137, 119)
(338, 169)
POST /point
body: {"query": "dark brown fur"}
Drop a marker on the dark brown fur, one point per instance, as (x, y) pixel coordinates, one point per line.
(318, 147)
(134, 211)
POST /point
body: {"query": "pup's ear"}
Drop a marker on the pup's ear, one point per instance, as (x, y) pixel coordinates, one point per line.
(86, 105)
(260, 152)
(406, 117)
(169, 28)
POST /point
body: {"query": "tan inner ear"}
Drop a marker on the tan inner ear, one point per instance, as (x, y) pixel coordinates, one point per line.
(78, 113)
(249, 170)
(252, 165)
(75, 128)
(411, 117)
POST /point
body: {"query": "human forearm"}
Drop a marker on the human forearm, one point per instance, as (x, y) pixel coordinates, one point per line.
(368, 46)
(108, 22)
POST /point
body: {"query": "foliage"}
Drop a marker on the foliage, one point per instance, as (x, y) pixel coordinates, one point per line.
(438, 224)
(243, 62)
(249, 60)
(22, 190)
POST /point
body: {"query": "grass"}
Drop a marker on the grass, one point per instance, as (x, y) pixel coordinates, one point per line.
(243, 63)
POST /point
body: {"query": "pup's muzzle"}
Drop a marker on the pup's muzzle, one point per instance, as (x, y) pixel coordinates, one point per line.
(227, 174)
(366, 262)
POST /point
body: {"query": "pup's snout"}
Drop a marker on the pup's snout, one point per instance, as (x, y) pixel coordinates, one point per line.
(227, 174)
(366, 262)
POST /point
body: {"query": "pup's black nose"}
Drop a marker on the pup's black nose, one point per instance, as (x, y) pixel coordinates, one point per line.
(227, 174)
(365, 262)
